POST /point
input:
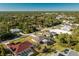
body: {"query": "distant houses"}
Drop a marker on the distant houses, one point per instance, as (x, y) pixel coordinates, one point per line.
(63, 29)
(71, 17)
(64, 16)
(61, 16)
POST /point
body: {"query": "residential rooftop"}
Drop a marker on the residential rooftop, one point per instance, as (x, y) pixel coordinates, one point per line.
(19, 47)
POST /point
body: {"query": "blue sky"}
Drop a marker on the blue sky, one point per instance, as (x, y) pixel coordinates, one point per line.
(39, 6)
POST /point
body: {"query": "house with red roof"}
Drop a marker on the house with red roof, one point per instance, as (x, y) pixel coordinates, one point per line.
(22, 49)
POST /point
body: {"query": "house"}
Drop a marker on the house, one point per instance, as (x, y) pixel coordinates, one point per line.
(73, 53)
(15, 30)
(66, 27)
(61, 16)
(71, 17)
(22, 49)
(53, 33)
(44, 40)
(68, 52)
(59, 31)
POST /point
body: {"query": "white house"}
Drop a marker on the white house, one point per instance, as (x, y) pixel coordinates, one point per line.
(59, 31)
(15, 30)
(66, 27)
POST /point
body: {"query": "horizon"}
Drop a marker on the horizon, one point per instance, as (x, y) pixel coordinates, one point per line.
(39, 6)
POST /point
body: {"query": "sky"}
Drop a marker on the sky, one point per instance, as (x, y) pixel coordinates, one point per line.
(39, 6)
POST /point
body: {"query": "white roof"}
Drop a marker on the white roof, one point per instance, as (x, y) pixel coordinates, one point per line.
(59, 31)
(66, 27)
(44, 40)
(15, 30)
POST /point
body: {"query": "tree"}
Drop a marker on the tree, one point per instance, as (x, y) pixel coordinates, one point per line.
(7, 36)
(67, 40)
(4, 51)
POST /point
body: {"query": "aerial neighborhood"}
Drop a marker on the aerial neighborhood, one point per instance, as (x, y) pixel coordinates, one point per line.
(39, 33)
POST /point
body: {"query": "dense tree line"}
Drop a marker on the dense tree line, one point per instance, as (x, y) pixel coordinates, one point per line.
(8, 36)
(28, 22)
